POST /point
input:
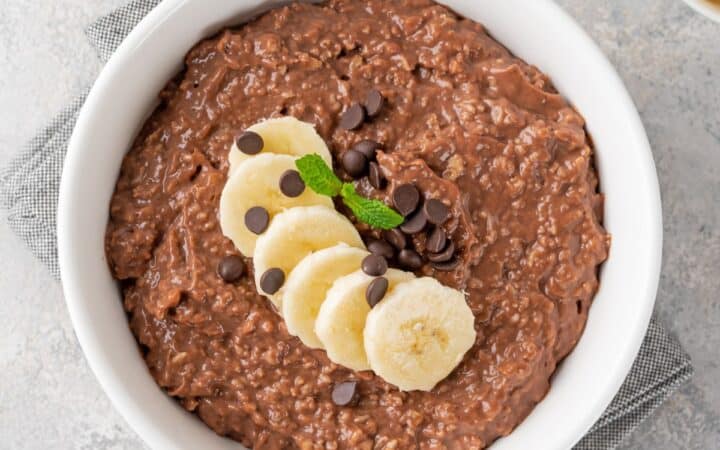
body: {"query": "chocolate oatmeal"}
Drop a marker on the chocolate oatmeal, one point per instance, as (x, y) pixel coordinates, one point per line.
(460, 118)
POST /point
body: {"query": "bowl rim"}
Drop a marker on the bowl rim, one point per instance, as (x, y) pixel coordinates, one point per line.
(706, 9)
(70, 275)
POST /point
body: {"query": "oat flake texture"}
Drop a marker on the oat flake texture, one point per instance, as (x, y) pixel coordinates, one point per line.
(28, 193)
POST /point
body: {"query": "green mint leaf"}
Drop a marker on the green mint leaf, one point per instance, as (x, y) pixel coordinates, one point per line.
(320, 178)
(373, 212)
(316, 174)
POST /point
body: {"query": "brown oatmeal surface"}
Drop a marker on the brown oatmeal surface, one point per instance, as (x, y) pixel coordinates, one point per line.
(465, 120)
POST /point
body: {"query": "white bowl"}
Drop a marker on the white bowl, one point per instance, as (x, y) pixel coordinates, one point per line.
(706, 8)
(543, 35)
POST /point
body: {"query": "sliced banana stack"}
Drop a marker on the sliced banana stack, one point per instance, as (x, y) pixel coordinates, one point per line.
(296, 233)
(283, 136)
(341, 320)
(307, 286)
(418, 334)
(255, 183)
(307, 259)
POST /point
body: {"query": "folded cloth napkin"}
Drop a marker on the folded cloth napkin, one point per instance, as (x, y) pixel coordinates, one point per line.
(29, 189)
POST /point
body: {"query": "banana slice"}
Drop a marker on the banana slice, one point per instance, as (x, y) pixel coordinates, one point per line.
(256, 183)
(308, 284)
(284, 136)
(341, 319)
(418, 334)
(295, 233)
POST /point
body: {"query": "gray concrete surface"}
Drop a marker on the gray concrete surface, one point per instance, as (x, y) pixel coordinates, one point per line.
(669, 58)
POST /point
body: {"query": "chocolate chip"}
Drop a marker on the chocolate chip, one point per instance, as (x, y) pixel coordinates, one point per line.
(444, 255)
(367, 147)
(374, 265)
(436, 241)
(257, 219)
(272, 280)
(396, 238)
(446, 266)
(376, 291)
(374, 103)
(291, 184)
(436, 211)
(354, 163)
(250, 143)
(344, 393)
(381, 248)
(410, 259)
(353, 117)
(406, 198)
(415, 223)
(375, 176)
(231, 268)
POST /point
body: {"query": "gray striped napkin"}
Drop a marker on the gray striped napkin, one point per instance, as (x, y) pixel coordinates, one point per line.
(29, 188)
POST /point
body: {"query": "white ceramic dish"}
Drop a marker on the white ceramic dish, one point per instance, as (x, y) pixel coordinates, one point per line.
(706, 8)
(543, 35)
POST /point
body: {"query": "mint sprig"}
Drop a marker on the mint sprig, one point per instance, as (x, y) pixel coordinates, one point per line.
(372, 212)
(320, 178)
(316, 174)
